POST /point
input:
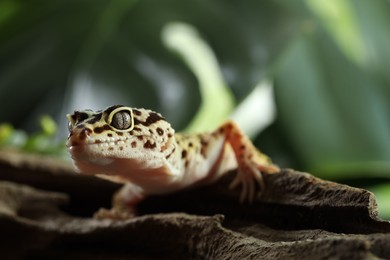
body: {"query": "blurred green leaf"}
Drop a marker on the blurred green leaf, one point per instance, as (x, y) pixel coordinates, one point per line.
(42, 142)
(374, 20)
(5, 132)
(334, 114)
(10, 137)
(7, 9)
(186, 41)
(339, 18)
(48, 126)
(382, 195)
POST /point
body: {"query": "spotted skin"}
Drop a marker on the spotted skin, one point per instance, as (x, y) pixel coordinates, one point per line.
(139, 148)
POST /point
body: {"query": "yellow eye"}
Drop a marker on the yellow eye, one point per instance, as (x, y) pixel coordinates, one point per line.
(121, 119)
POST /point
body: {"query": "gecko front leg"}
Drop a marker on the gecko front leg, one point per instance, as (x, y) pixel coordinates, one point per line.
(251, 162)
(124, 203)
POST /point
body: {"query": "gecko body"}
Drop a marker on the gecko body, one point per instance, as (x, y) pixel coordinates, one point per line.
(139, 148)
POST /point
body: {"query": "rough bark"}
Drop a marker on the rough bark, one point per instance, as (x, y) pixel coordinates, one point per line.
(46, 209)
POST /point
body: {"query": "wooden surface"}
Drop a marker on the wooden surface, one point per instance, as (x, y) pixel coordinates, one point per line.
(46, 209)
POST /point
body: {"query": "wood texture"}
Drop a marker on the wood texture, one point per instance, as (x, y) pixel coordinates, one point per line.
(46, 209)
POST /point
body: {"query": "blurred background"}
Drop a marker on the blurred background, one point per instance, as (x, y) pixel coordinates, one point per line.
(308, 80)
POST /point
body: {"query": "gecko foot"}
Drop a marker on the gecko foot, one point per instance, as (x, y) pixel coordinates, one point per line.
(124, 204)
(249, 176)
(115, 214)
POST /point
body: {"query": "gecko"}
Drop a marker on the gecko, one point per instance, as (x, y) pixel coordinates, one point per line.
(139, 148)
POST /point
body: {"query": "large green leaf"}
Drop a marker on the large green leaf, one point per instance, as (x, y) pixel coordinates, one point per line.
(333, 113)
(374, 20)
(95, 53)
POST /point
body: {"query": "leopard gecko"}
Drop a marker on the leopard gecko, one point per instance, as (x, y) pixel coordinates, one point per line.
(139, 148)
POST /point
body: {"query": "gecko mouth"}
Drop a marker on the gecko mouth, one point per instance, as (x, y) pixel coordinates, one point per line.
(76, 142)
(79, 147)
(99, 151)
(93, 153)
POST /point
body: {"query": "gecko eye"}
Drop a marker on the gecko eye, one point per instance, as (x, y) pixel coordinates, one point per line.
(122, 119)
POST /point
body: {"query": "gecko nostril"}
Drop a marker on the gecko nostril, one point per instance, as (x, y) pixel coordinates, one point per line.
(84, 133)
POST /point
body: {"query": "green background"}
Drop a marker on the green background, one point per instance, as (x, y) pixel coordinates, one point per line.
(195, 61)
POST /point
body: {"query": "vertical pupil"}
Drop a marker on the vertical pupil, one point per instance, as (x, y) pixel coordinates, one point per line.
(121, 120)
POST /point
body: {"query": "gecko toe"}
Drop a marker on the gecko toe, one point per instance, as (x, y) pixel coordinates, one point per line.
(244, 192)
(250, 178)
(235, 182)
(251, 192)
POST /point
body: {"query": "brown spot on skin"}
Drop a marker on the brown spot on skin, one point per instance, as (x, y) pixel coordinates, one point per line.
(79, 116)
(137, 112)
(98, 141)
(169, 155)
(152, 118)
(119, 133)
(112, 108)
(190, 144)
(169, 135)
(186, 164)
(121, 148)
(133, 144)
(159, 131)
(183, 154)
(151, 131)
(140, 137)
(95, 119)
(203, 151)
(242, 147)
(203, 142)
(149, 145)
(109, 135)
(137, 129)
(111, 148)
(136, 121)
(99, 130)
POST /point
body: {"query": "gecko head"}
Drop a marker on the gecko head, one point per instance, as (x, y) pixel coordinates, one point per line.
(99, 140)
